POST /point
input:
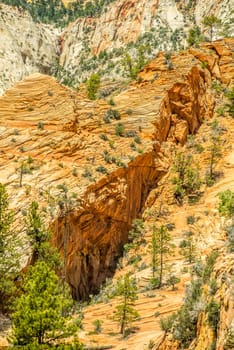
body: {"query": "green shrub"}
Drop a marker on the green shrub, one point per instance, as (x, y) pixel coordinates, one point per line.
(40, 125)
(130, 133)
(113, 114)
(103, 137)
(190, 219)
(97, 326)
(92, 85)
(101, 169)
(75, 172)
(111, 102)
(213, 309)
(119, 130)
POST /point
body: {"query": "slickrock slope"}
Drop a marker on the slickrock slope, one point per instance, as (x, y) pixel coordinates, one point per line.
(25, 47)
(109, 165)
(209, 235)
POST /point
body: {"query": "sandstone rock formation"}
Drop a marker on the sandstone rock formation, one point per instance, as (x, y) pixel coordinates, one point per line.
(27, 47)
(162, 25)
(110, 165)
(166, 105)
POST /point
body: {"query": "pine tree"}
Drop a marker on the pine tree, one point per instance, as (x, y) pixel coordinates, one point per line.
(211, 22)
(92, 85)
(187, 180)
(42, 313)
(230, 95)
(160, 248)
(65, 204)
(215, 152)
(226, 208)
(125, 312)
(136, 236)
(9, 256)
(40, 237)
(226, 204)
(188, 248)
(194, 36)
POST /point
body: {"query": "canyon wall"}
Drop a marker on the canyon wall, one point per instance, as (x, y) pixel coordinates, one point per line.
(60, 129)
(25, 46)
(98, 44)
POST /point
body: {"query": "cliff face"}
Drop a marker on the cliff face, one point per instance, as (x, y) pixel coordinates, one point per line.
(25, 47)
(112, 183)
(207, 337)
(98, 44)
(165, 108)
(126, 24)
(60, 129)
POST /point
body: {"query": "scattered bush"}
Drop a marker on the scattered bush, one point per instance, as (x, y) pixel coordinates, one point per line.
(103, 137)
(92, 85)
(213, 309)
(40, 125)
(101, 169)
(97, 326)
(119, 130)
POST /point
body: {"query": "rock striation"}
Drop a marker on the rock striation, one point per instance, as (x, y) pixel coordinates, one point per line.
(160, 25)
(60, 130)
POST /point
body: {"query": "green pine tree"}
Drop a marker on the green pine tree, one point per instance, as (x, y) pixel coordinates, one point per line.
(226, 204)
(41, 314)
(9, 256)
(194, 36)
(125, 312)
(187, 180)
(188, 247)
(215, 152)
(212, 23)
(40, 237)
(92, 85)
(160, 248)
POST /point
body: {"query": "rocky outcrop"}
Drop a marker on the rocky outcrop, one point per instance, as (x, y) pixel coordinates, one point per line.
(60, 130)
(161, 25)
(208, 337)
(92, 44)
(25, 46)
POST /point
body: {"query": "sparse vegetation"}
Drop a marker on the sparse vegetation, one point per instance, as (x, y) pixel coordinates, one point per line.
(212, 22)
(188, 247)
(187, 180)
(125, 312)
(93, 85)
(160, 247)
(9, 255)
(215, 153)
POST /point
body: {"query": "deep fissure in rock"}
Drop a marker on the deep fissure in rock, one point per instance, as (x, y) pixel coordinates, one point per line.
(98, 230)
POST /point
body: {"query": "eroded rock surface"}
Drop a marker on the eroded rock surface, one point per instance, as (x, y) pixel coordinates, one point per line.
(60, 130)
(25, 46)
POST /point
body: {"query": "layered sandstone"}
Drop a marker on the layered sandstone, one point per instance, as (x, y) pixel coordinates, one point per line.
(166, 105)
(124, 22)
(62, 132)
(27, 47)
